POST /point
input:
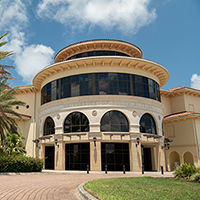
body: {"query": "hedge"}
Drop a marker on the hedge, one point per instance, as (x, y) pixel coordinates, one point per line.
(20, 164)
(185, 171)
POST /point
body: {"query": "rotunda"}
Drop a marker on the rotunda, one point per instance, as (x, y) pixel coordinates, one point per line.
(100, 107)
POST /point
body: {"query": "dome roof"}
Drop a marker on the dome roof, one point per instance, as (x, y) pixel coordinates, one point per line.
(98, 45)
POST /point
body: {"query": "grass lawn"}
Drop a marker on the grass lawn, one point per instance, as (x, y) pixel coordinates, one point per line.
(143, 188)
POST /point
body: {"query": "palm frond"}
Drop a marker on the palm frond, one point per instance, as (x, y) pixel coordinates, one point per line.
(3, 35)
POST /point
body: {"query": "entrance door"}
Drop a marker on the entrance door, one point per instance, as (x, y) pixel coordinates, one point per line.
(115, 155)
(77, 156)
(146, 159)
(49, 155)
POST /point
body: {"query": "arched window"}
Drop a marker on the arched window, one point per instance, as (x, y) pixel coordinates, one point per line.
(76, 122)
(114, 121)
(147, 124)
(49, 126)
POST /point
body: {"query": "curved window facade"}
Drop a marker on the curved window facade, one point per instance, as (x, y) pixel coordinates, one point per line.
(98, 53)
(114, 121)
(76, 122)
(49, 126)
(100, 84)
(147, 124)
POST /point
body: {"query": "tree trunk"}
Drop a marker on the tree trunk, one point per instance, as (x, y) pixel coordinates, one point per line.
(2, 135)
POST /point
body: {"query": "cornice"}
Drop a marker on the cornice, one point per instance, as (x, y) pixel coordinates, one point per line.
(183, 116)
(126, 62)
(94, 45)
(180, 91)
(24, 89)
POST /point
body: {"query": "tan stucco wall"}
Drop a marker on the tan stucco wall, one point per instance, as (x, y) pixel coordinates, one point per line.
(177, 104)
(192, 103)
(29, 127)
(184, 140)
(29, 99)
(166, 105)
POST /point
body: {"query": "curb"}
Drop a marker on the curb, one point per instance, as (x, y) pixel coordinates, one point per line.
(83, 194)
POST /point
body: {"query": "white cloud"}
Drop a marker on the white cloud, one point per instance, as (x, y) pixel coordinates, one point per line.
(12, 14)
(16, 41)
(32, 59)
(28, 59)
(195, 81)
(125, 15)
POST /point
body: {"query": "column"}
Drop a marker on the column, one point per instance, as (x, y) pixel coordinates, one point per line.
(181, 160)
(95, 156)
(59, 154)
(42, 153)
(135, 157)
(161, 152)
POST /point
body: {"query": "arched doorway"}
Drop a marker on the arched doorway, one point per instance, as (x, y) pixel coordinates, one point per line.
(49, 129)
(77, 155)
(115, 155)
(147, 125)
(188, 158)
(174, 160)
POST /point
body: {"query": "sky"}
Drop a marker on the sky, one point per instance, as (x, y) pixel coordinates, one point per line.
(167, 32)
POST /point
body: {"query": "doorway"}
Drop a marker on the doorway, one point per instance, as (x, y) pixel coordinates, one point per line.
(115, 155)
(49, 157)
(77, 156)
(146, 159)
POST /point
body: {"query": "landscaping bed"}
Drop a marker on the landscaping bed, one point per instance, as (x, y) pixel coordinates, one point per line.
(20, 164)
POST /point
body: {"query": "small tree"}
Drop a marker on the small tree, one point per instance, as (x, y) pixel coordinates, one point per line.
(13, 145)
(8, 101)
(7, 98)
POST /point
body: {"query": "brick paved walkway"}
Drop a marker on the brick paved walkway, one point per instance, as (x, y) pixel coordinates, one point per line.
(47, 186)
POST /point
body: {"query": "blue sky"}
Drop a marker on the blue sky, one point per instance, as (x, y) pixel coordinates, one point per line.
(167, 32)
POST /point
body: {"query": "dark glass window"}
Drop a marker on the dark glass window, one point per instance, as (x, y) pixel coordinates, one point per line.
(114, 121)
(97, 53)
(47, 93)
(147, 124)
(100, 84)
(77, 156)
(115, 155)
(49, 126)
(85, 84)
(76, 122)
(163, 132)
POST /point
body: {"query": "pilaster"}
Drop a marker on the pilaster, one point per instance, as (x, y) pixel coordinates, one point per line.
(95, 156)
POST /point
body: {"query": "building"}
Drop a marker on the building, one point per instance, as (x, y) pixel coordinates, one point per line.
(181, 107)
(100, 105)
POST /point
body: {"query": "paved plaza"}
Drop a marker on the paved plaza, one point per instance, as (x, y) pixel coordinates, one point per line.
(52, 185)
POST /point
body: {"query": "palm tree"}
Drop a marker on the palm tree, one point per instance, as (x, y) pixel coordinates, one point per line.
(8, 102)
(4, 73)
(8, 99)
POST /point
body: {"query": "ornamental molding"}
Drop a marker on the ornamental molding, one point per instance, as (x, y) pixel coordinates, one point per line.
(94, 113)
(69, 105)
(131, 63)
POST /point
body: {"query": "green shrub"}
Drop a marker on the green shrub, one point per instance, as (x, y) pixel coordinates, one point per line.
(20, 164)
(195, 177)
(13, 145)
(185, 171)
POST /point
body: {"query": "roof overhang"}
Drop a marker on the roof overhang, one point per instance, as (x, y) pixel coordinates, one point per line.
(179, 91)
(181, 116)
(94, 45)
(126, 62)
